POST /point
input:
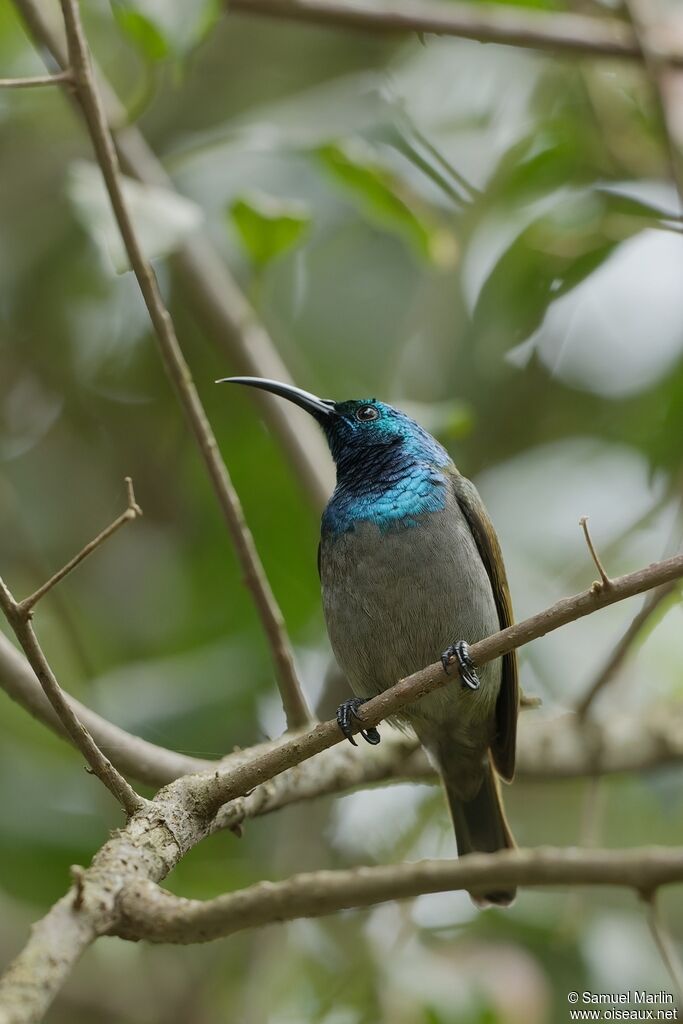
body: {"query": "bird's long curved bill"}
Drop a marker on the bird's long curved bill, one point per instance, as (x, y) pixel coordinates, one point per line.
(321, 408)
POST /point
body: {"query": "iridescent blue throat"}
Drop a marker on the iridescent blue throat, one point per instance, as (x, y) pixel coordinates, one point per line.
(390, 487)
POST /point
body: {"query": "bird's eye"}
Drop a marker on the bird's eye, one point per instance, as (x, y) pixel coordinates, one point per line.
(366, 413)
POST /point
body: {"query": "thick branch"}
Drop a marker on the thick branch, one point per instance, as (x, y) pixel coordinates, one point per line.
(221, 306)
(573, 34)
(178, 371)
(38, 973)
(221, 787)
(151, 913)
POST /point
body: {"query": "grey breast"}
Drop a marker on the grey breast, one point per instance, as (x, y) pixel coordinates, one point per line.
(394, 600)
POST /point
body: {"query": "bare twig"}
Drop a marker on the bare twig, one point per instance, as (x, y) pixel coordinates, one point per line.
(60, 78)
(149, 912)
(605, 581)
(573, 34)
(20, 621)
(665, 943)
(621, 649)
(294, 703)
(132, 511)
(221, 306)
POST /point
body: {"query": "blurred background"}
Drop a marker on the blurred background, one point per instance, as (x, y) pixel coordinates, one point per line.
(486, 237)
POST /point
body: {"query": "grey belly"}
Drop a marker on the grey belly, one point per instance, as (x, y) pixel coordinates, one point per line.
(395, 601)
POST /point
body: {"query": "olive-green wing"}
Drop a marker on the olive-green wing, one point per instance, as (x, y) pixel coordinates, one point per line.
(507, 705)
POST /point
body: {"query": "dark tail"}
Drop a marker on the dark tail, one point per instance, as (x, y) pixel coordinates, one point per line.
(481, 827)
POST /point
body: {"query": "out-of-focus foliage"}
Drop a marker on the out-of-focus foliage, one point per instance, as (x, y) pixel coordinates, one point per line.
(483, 236)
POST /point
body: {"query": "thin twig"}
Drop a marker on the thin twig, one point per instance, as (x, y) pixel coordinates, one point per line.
(132, 512)
(623, 646)
(605, 581)
(60, 78)
(573, 34)
(665, 944)
(20, 621)
(154, 914)
(293, 700)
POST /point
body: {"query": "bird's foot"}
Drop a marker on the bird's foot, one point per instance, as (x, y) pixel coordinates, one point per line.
(460, 652)
(346, 712)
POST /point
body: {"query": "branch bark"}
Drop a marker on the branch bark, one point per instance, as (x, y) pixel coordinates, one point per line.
(294, 703)
(151, 913)
(572, 34)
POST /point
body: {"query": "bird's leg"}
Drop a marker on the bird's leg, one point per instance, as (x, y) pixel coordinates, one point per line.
(460, 651)
(348, 711)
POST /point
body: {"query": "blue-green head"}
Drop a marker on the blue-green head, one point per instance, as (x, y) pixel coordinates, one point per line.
(389, 468)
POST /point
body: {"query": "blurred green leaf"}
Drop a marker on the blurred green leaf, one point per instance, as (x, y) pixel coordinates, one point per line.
(160, 29)
(267, 225)
(554, 253)
(142, 32)
(388, 199)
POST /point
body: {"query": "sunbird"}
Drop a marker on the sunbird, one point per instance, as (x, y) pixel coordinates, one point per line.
(411, 570)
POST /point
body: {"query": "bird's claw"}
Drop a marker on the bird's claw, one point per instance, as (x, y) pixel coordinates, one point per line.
(460, 652)
(346, 712)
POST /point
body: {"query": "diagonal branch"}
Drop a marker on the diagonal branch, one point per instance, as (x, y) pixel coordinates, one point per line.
(293, 701)
(132, 511)
(572, 34)
(221, 306)
(151, 913)
(214, 790)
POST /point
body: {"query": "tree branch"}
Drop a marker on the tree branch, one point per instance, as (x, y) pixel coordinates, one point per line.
(35, 977)
(572, 34)
(151, 913)
(60, 78)
(293, 701)
(221, 306)
(217, 789)
(132, 512)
